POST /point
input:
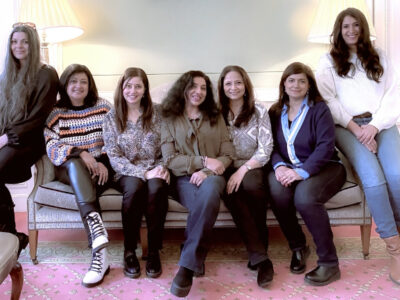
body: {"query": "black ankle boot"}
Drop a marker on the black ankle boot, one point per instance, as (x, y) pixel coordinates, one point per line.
(182, 282)
(153, 265)
(23, 241)
(131, 264)
(299, 259)
(265, 273)
(322, 275)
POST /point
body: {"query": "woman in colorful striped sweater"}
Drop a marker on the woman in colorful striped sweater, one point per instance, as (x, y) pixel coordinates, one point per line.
(74, 142)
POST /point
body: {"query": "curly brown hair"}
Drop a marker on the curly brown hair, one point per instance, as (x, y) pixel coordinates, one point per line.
(173, 105)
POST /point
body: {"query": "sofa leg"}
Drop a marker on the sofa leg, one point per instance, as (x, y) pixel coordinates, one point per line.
(17, 279)
(33, 240)
(144, 242)
(365, 239)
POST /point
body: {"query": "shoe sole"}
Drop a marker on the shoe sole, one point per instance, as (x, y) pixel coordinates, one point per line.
(130, 275)
(153, 275)
(180, 291)
(90, 285)
(265, 284)
(395, 281)
(315, 283)
(307, 254)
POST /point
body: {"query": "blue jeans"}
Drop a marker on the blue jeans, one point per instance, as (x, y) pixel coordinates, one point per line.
(379, 174)
(203, 204)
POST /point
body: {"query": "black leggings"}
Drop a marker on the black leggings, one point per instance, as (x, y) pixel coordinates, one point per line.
(149, 198)
(15, 167)
(75, 173)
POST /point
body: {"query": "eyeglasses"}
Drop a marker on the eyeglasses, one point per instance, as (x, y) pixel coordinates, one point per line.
(30, 24)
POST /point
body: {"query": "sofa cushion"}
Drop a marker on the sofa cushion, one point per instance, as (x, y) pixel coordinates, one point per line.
(57, 194)
(60, 195)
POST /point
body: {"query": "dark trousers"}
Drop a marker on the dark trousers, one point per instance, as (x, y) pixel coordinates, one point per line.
(308, 198)
(15, 167)
(148, 198)
(203, 204)
(248, 207)
(75, 173)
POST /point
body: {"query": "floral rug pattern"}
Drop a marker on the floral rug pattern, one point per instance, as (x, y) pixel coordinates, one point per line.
(62, 265)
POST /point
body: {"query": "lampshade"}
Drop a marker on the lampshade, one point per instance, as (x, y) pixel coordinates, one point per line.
(54, 19)
(326, 15)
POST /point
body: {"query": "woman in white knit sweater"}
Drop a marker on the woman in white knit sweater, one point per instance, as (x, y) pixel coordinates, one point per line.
(363, 95)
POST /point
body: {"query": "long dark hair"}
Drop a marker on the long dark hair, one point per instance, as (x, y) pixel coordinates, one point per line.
(365, 51)
(248, 97)
(92, 96)
(173, 105)
(121, 108)
(18, 81)
(313, 93)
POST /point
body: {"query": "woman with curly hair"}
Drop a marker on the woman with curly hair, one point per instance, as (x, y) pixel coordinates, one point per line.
(196, 148)
(246, 195)
(28, 91)
(362, 90)
(132, 141)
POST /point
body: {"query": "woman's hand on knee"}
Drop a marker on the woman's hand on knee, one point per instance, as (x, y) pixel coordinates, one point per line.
(368, 134)
(90, 163)
(215, 165)
(373, 146)
(103, 173)
(235, 180)
(198, 177)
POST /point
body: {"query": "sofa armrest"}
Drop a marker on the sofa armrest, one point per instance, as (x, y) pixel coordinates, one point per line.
(44, 173)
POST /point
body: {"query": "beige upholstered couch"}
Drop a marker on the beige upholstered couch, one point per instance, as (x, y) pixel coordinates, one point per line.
(51, 205)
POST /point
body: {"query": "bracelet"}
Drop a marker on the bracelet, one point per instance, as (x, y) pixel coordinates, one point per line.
(247, 167)
(204, 161)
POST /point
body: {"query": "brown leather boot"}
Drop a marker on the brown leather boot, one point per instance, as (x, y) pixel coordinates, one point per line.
(393, 248)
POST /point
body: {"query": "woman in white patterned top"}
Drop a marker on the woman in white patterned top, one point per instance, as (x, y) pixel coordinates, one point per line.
(132, 141)
(246, 196)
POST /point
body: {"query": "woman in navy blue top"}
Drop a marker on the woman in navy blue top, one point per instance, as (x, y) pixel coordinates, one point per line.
(306, 171)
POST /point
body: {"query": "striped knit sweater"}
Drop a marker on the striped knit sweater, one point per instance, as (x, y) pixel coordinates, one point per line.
(70, 130)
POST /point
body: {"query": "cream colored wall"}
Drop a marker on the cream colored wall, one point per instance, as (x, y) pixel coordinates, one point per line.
(169, 37)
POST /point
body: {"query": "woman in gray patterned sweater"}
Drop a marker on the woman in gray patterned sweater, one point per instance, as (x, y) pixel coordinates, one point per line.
(250, 130)
(132, 142)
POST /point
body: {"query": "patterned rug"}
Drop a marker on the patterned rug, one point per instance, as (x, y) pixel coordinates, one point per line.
(62, 265)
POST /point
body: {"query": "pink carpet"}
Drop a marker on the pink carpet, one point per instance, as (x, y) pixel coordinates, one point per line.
(224, 280)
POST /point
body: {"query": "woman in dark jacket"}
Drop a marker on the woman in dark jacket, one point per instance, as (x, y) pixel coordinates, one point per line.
(28, 90)
(307, 171)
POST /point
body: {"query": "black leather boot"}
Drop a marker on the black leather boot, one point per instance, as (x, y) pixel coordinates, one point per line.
(322, 275)
(182, 282)
(299, 259)
(131, 264)
(153, 265)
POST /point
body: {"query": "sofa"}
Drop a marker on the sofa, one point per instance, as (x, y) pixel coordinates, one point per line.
(52, 205)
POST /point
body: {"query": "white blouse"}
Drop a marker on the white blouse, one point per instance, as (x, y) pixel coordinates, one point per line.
(356, 94)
